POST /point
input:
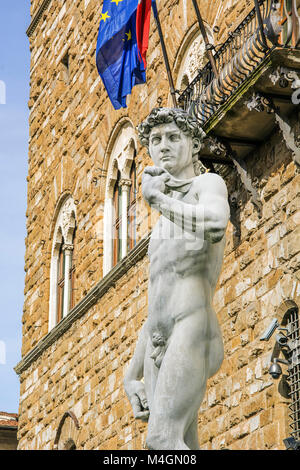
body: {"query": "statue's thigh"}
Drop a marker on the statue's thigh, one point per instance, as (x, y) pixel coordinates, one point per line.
(182, 377)
(150, 374)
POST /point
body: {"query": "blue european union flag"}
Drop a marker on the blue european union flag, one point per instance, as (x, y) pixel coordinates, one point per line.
(117, 55)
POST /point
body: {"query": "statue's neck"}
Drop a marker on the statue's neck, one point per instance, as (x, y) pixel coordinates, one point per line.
(179, 184)
(186, 174)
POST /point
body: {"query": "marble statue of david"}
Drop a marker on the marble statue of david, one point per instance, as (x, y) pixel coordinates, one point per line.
(180, 345)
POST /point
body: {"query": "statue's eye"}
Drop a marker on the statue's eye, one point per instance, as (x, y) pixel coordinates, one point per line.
(155, 140)
(174, 137)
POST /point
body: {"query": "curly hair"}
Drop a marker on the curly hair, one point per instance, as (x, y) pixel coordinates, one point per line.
(184, 121)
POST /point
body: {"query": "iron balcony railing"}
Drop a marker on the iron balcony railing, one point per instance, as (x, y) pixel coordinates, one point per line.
(269, 25)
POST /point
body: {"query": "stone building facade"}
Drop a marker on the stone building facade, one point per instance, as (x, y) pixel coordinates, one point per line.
(86, 299)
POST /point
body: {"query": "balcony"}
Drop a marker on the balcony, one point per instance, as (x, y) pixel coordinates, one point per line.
(256, 86)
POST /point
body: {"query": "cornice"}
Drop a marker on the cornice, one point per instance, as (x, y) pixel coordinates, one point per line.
(37, 17)
(85, 304)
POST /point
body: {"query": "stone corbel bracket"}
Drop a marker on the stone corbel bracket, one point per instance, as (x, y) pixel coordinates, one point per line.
(286, 76)
(234, 214)
(292, 142)
(218, 147)
(261, 103)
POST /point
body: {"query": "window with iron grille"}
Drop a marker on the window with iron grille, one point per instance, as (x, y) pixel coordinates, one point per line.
(292, 324)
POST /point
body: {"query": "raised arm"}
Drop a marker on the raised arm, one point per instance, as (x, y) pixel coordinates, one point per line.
(208, 218)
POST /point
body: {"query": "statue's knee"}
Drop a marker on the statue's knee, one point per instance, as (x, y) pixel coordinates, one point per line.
(151, 442)
(155, 441)
(158, 440)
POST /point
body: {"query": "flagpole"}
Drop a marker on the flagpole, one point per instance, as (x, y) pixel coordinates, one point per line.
(208, 46)
(165, 54)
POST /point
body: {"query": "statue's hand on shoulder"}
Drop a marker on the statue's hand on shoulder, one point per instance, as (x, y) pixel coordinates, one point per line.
(153, 183)
(135, 390)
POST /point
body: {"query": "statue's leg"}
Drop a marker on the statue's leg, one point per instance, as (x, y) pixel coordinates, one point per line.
(180, 386)
(150, 374)
(191, 435)
(216, 348)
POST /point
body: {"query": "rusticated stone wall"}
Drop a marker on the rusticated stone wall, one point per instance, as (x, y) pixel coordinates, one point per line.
(260, 280)
(71, 126)
(71, 120)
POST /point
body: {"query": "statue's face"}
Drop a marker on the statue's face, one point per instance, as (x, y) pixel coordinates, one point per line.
(171, 149)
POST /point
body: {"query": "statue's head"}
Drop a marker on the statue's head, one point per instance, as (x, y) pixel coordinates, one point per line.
(178, 130)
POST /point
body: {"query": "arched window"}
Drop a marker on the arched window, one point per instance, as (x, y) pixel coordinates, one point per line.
(131, 212)
(62, 271)
(191, 56)
(120, 207)
(67, 432)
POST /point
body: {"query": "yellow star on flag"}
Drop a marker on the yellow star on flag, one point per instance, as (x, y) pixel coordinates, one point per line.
(104, 16)
(128, 35)
(116, 1)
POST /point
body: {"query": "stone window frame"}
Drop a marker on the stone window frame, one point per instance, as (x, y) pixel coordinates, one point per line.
(63, 237)
(132, 208)
(67, 432)
(120, 155)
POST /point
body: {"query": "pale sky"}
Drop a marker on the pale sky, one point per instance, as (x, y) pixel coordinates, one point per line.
(14, 72)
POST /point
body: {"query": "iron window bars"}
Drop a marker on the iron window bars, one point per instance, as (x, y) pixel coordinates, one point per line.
(293, 335)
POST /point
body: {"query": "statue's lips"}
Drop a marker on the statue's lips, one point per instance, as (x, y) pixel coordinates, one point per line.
(167, 157)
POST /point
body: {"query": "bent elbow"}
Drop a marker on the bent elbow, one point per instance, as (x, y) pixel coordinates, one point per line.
(216, 225)
(216, 235)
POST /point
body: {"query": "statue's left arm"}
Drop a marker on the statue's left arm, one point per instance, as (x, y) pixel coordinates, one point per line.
(208, 218)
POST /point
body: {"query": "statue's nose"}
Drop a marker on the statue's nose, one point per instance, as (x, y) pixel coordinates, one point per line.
(164, 145)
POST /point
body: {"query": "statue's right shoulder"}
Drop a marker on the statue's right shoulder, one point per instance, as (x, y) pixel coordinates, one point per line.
(211, 183)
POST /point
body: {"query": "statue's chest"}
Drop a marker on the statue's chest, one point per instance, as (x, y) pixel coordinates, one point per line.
(190, 197)
(167, 235)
